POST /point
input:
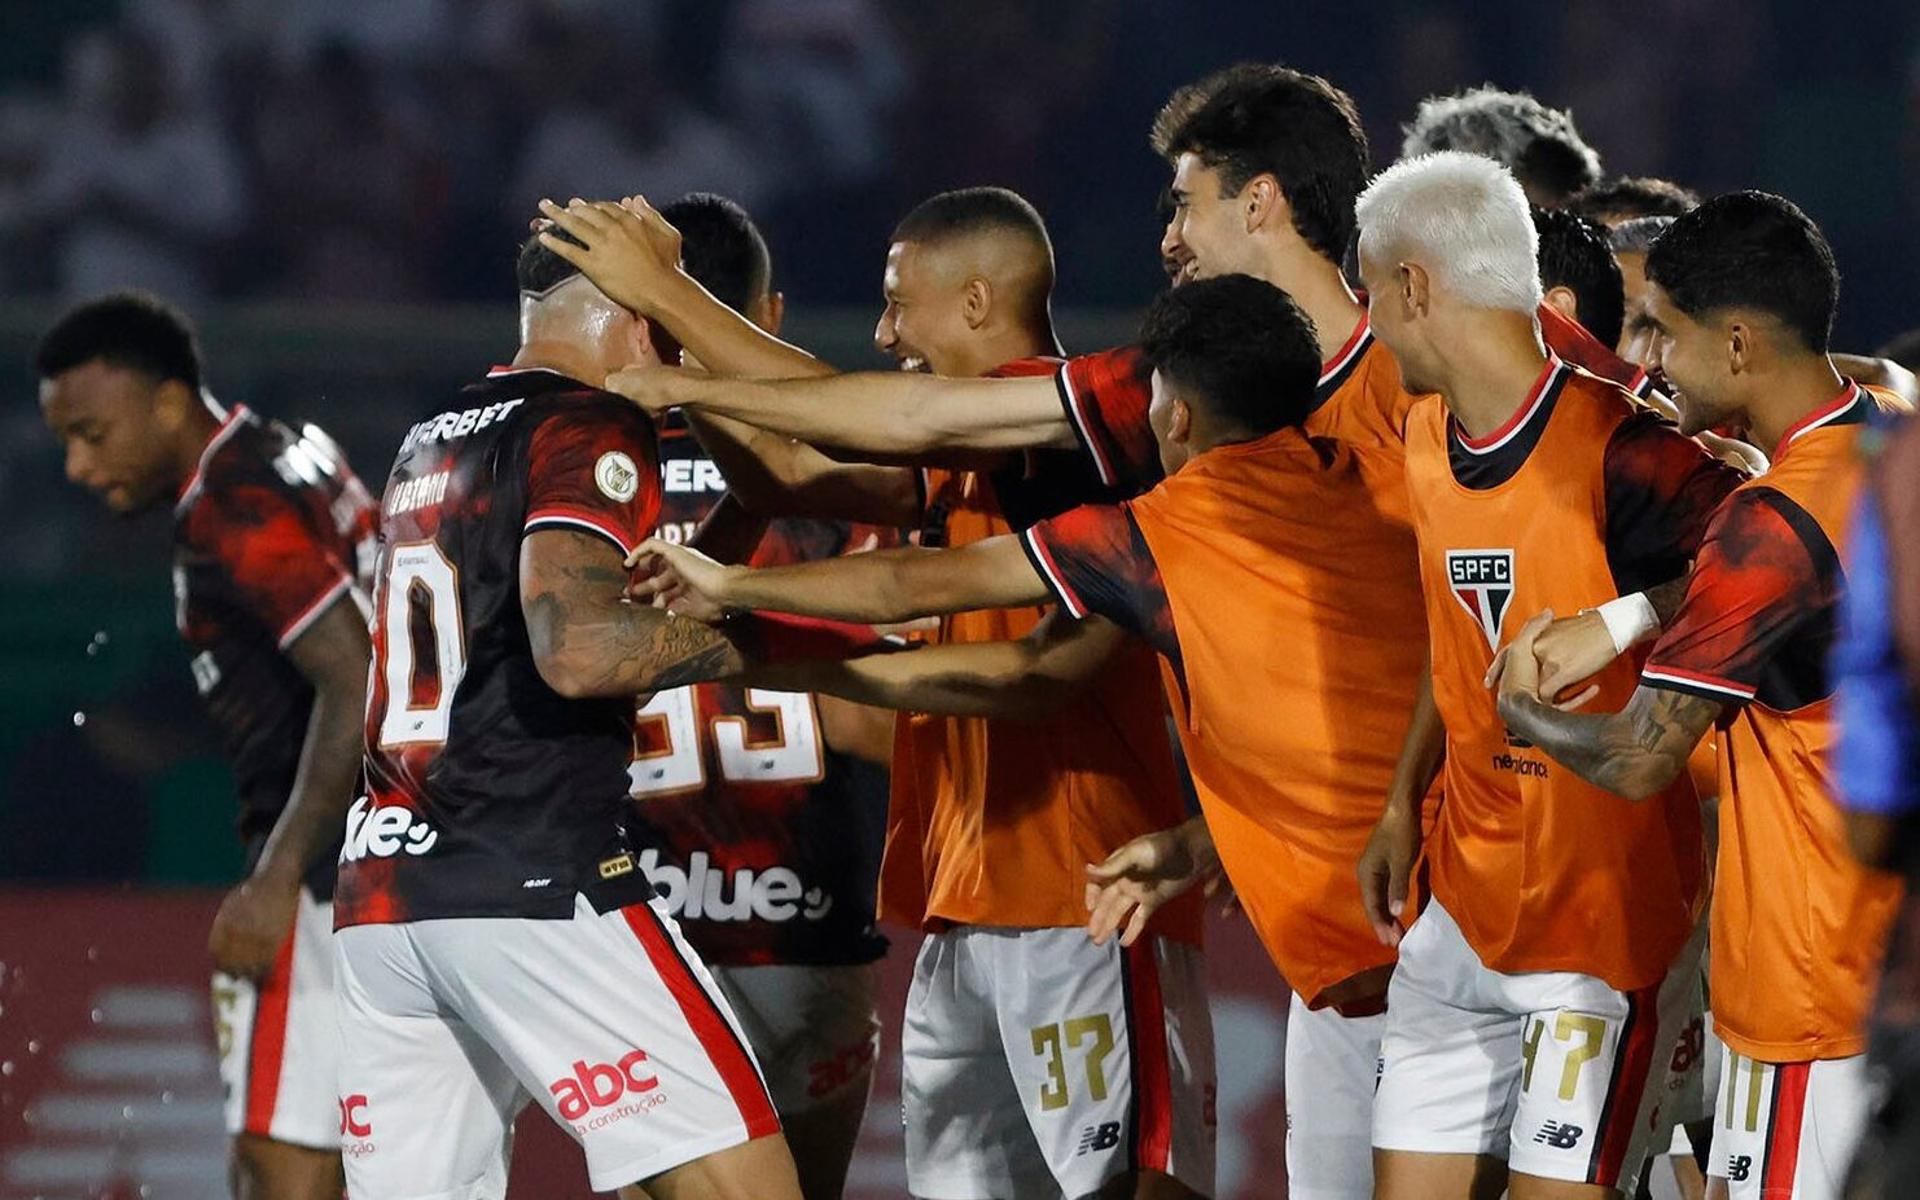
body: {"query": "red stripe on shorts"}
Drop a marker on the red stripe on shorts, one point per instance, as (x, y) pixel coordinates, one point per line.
(723, 1048)
(1152, 1073)
(1783, 1128)
(267, 1045)
(1632, 1069)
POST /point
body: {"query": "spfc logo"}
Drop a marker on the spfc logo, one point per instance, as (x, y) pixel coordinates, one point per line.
(1482, 581)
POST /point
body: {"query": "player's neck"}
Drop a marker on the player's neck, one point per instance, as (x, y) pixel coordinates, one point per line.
(203, 421)
(1007, 345)
(1320, 289)
(562, 358)
(1791, 391)
(1494, 359)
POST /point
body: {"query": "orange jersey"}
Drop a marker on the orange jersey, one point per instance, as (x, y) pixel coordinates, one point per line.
(1287, 611)
(993, 822)
(1575, 500)
(1798, 924)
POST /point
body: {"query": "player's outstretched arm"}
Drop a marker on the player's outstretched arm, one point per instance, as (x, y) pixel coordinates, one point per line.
(1026, 679)
(589, 641)
(257, 916)
(886, 414)
(632, 254)
(775, 474)
(879, 587)
(1633, 753)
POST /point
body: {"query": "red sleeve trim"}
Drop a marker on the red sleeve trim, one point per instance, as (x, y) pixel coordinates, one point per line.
(556, 516)
(312, 613)
(1051, 574)
(1697, 682)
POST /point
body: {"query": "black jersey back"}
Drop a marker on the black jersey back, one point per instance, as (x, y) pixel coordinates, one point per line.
(489, 794)
(270, 530)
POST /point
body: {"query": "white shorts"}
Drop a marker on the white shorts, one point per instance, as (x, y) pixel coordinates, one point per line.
(1554, 1071)
(814, 1029)
(608, 1020)
(1787, 1131)
(279, 1039)
(1033, 1061)
(1333, 1067)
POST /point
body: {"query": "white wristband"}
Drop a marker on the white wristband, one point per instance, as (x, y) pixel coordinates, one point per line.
(1628, 619)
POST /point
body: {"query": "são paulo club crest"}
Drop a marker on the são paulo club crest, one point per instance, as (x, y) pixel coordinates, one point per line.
(1482, 581)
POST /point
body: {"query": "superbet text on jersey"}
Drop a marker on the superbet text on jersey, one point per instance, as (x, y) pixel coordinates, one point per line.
(763, 840)
(489, 794)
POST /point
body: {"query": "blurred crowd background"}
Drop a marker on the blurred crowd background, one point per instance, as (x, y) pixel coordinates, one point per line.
(334, 189)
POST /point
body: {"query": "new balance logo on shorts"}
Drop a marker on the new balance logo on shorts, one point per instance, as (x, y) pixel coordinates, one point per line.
(598, 1085)
(1560, 1137)
(1739, 1167)
(1097, 1138)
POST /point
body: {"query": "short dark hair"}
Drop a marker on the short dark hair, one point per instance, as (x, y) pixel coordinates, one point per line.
(721, 247)
(135, 330)
(1264, 119)
(966, 211)
(1627, 196)
(1239, 347)
(1574, 255)
(538, 269)
(1538, 143)
(1750, 250)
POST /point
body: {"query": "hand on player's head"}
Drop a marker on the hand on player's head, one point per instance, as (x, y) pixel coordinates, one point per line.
(659, 388)
(628, 249)
(679, 579)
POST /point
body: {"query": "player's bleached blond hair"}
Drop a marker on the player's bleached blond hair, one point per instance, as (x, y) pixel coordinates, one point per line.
(1461, 216)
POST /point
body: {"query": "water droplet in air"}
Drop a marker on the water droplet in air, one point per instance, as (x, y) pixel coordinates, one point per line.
(79, 719)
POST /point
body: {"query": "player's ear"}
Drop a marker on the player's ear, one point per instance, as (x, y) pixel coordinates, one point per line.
(1179, 421)
(173, 401)
(1416, 288)
(1263, 204)
(640, 348)
(1561, 299)
(1739, 347)
(976, 301)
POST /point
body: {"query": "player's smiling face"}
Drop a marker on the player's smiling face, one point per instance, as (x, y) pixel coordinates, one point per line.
(114, 444)
(1692, 355)
(925, 310)
(1207, 232)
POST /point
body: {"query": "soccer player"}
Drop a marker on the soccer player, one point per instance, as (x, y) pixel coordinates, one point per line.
(497, 937)
(1579, 272)
(992, 819)
(1539, 993)
(1536, 142)
(1630, 241)
(1612, 202)
(272, 544)
(1291, 734)
(762, 820)
(1741, 293)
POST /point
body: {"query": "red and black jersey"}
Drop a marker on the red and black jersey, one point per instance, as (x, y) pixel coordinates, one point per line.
(1096, 560)
(763, 840)
(489, 793)
(270, 530)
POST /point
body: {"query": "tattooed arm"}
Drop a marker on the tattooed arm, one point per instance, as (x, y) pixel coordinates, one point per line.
(1633, 753)
(589, 641)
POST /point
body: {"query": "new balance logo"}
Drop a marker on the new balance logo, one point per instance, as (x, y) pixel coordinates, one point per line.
(1097, 1138)
(596, 1085)
(1560, 1137)
(1482, 581)
(1739, 1166)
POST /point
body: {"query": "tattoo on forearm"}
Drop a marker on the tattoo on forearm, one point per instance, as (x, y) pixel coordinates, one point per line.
(576, 615)
(1666, 597)
(1634, 752)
